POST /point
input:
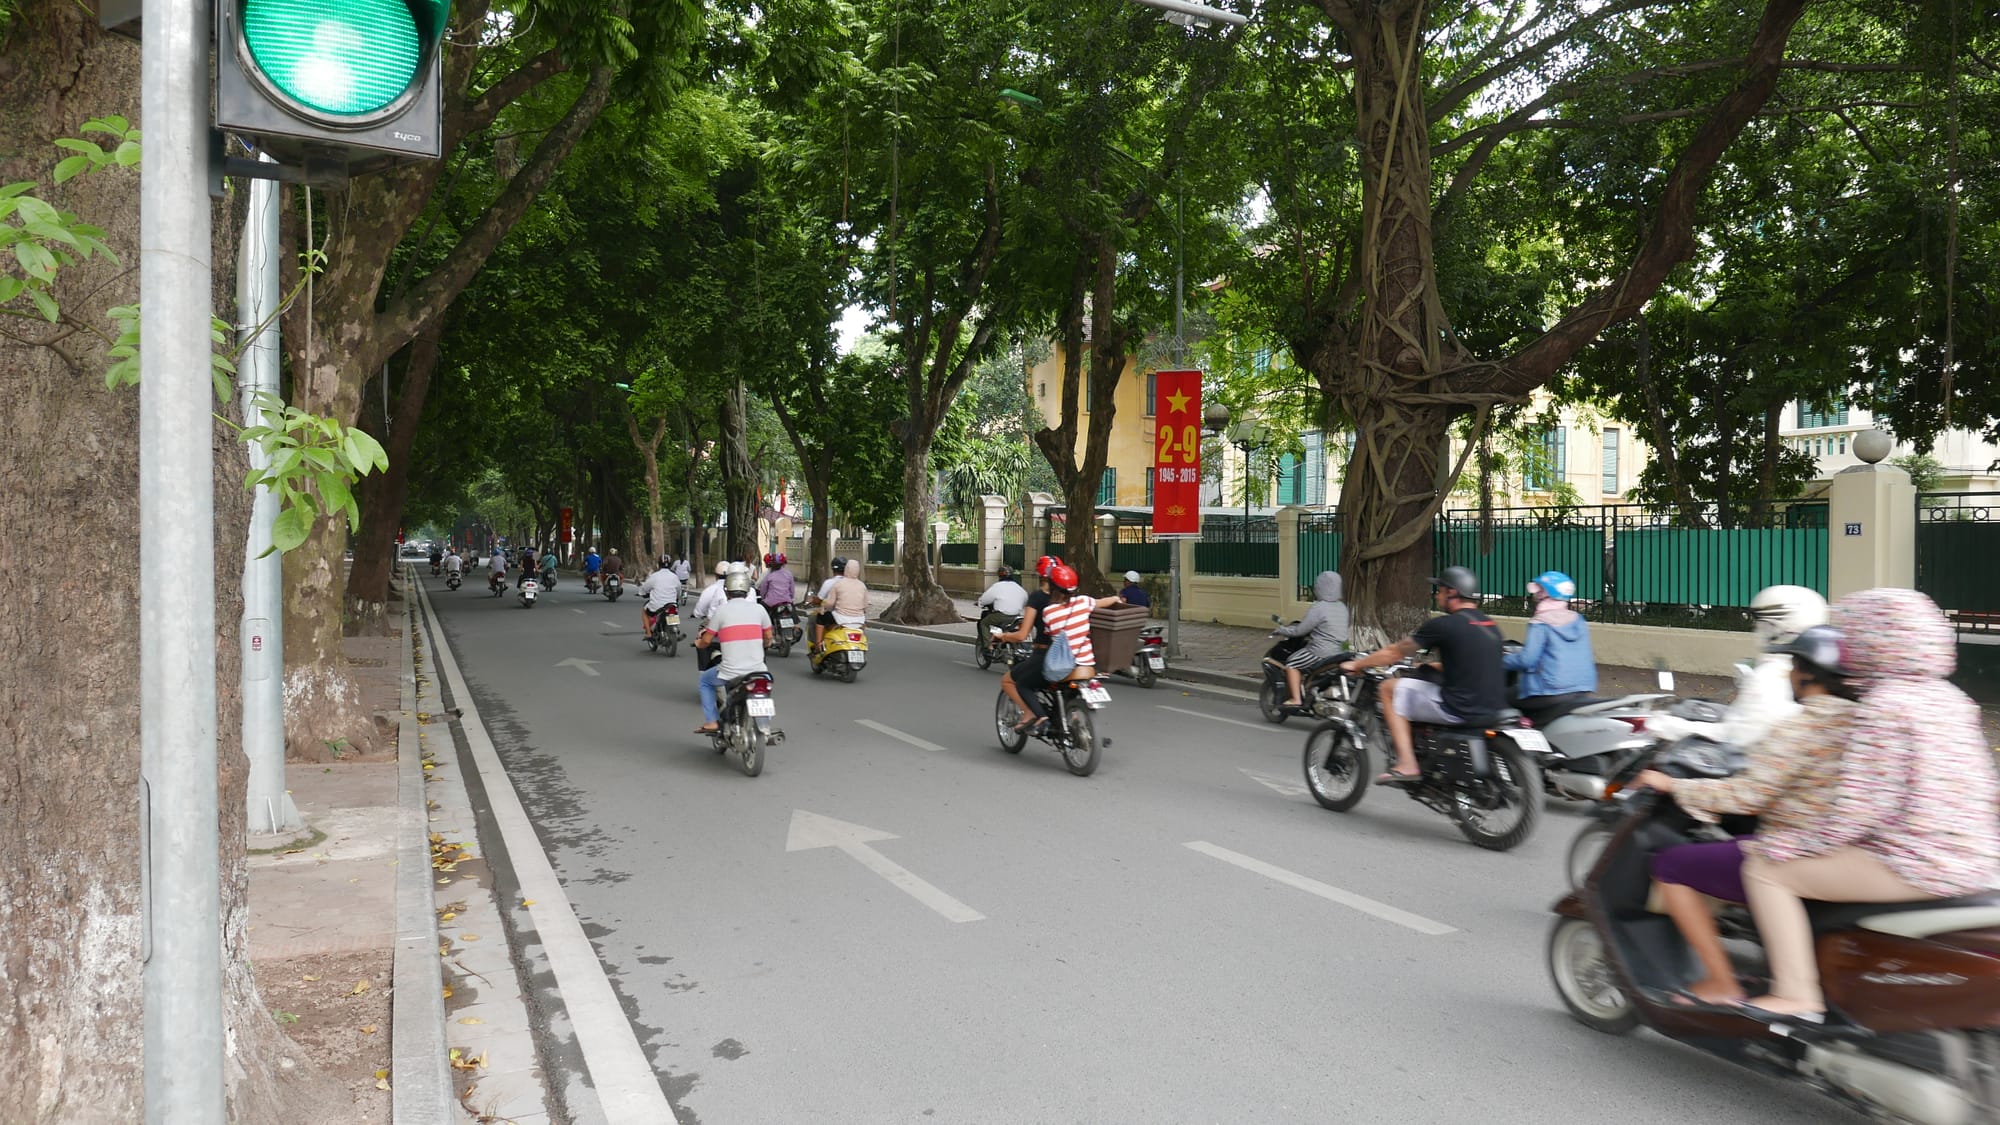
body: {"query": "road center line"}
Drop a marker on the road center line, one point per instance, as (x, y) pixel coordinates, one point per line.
(614, 624)
(1348, 899)
(1267, 728)
(892, 732)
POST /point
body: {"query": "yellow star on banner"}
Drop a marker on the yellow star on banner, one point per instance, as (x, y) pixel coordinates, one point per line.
(1177, 402)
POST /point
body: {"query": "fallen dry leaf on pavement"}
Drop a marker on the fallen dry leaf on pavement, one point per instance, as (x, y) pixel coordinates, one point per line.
(360, 987)
(468, 937)
(447, 916)
(308, 978)
(447, 992)
(527, 902)
(369, 1030)
(471, 1020)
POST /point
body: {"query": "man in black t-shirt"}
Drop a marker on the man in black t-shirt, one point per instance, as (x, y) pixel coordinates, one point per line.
(1468, 646)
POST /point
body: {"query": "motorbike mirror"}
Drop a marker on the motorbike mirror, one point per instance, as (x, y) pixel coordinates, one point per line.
(1274, 619)
(1663, 675)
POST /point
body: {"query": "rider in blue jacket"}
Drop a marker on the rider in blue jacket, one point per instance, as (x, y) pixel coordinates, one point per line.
(1557, 660)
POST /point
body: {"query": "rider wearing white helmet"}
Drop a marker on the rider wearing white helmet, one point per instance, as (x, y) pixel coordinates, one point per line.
(1764, 687)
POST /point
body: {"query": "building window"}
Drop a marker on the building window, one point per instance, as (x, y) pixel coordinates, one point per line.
(1107, 489)
(1042, 390)
(1152, 394)
(1290, 480)
(1315, 469)
(1261, 362)
(1810, 419)
(1548, 463)
(1610, 486)
(1149, 487)
(1843, 443)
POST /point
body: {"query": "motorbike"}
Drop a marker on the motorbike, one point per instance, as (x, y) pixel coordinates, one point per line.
(1150, 658)
(590, 583)
(1700, 715)
(437, 568)
(529, 589)
(990, 647)
(785, 629)
(1480, 776)
(613, 587)
(1315, 690)
(1909, 1034)
(745, 727)
(452, 580)
(549, 576)
(1070, 731)
(666, 631)
(843, 649)
(495, 584)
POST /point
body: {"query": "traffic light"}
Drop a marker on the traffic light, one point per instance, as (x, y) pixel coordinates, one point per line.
(347, 82)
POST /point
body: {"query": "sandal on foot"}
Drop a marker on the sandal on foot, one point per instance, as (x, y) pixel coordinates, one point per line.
(1768, 1016)
(1682, 998)
(708, 730)
(1394, 777)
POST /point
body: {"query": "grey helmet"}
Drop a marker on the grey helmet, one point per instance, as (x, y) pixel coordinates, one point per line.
(1460, 579)
(1816, 650)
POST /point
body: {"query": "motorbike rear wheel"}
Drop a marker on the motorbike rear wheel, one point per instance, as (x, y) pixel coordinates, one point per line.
(1519, 784)
(750, 747)
(845, 672)
(1267, 702)
(982, 655)
(1336, 768)
(1143, 672)
(1005, 715)
(1581, 970)
(1081, 749)
(671, 643)
(1584, 852)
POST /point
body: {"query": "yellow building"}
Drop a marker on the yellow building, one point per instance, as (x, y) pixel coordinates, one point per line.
(1128, 463)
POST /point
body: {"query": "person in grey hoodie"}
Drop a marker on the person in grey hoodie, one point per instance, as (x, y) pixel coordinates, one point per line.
(1325, 628)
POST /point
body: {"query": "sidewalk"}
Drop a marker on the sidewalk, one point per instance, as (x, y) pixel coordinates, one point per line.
(1228, 656)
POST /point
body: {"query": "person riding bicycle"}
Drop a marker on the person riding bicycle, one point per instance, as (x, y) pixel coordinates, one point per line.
(742, 630)
(661, 588)
(1002, 601)
(1556, 664)
(1468, 646)
(779, 588)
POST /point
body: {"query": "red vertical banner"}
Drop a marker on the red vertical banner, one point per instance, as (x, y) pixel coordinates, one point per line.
(565, 525)
(1177, 453)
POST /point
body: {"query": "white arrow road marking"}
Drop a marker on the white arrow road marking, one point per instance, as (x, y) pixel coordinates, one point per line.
(614, 624)
(1288, 788)
(576, 611)
(811, 830)
(1267, 728)
(899, 736)
(1362, 903)
(583, 666)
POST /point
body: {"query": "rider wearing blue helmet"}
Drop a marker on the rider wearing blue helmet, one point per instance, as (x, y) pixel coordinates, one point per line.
(1556, 663)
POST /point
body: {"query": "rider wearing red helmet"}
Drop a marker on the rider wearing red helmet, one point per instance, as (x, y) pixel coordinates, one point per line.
(1057, 605)
(776, 588)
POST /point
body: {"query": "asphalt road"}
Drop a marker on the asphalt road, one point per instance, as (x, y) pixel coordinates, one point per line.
(1113, 973)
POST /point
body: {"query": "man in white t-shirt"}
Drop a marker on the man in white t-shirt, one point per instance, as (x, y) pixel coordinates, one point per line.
(1003, 600)
(742, 630)
(662, 589)
(711, 597)
(453, 564)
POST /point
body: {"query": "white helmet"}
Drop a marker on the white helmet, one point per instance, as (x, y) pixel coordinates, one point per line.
(722, 569)
(1781, 613)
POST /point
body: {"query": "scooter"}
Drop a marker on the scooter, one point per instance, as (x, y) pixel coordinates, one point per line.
(495, 584)
(843, 650)
(452, 580)
(613, 587)
(528, 591)
(1070, 730)
(1316, 691)
(549, 576)
(666, 631)
(1150, 658)
(745, 727)
(785, 629)
(1911, 987)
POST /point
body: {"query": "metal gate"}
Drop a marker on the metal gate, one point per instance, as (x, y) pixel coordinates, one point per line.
(1958, 541)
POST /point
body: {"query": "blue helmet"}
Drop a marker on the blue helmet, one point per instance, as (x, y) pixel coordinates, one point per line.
(1556, 584)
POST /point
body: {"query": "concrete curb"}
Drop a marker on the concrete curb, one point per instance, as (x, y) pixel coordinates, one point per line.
(419, 1068)
(1193, 677)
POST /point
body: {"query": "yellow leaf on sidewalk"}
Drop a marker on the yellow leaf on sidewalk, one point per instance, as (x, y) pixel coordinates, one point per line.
(360, 987)
(369, 1030)
(527, 902)
(309, 978)
(471, 1020)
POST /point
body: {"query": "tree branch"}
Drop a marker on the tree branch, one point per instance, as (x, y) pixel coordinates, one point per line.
(479, 111)
(1465, 89)
(428, 298)
(1671, 239)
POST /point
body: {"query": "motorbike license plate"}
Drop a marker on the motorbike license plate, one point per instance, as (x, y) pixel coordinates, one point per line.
(1096, 696)
(1533, 741)
(1156, 661)
(857, 658)
(760, 708)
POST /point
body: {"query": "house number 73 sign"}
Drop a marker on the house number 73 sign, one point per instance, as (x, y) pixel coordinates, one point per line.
(1177, 453)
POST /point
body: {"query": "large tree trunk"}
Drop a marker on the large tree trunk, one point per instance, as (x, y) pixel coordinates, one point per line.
(71, 984)
(739, 474)
(922, 601)
(381, 497)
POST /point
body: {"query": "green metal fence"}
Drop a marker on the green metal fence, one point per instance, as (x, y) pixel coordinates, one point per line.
(1958, 541)
(882, 554)
(1632, 557)
(1146, 558)
(1242, 560)
(1014, 554)
(1319, 546)
(959, 554)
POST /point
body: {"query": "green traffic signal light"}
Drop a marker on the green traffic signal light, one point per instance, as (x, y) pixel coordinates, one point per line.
(342, 58)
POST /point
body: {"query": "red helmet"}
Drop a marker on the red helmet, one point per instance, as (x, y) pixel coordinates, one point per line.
(1063, 577)
(781, 560)
(1043, 564)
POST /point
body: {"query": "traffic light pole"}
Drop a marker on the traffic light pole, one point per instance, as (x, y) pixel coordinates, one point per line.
(181, 899)
(268, 807)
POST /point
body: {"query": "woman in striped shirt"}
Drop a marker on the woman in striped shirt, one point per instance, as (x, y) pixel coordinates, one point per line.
(1067, 613)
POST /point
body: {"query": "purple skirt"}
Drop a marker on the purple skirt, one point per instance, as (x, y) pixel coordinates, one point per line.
(1712, 868)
